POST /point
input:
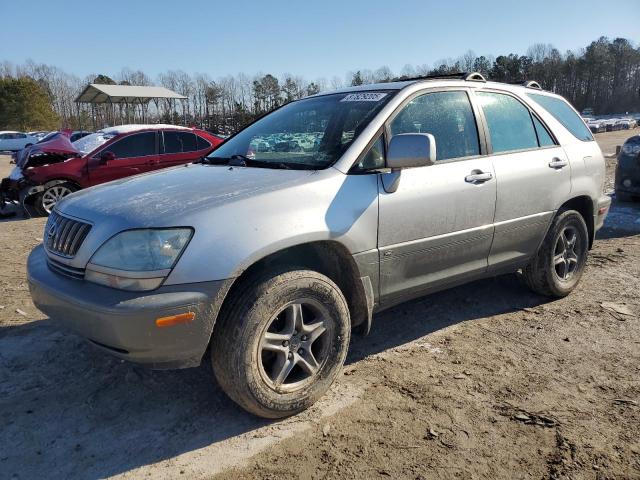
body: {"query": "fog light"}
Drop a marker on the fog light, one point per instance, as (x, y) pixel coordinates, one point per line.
(627, 183)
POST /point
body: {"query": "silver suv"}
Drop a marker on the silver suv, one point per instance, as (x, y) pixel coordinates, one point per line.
(300, 227)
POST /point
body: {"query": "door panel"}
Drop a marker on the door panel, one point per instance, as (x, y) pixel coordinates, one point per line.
(436, 227)
(529, 191)
(135, 153)
(533, 176)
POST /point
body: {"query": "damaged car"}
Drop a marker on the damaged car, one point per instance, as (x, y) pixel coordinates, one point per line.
(49, 171)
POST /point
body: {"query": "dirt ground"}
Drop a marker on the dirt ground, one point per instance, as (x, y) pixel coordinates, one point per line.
(483, 381)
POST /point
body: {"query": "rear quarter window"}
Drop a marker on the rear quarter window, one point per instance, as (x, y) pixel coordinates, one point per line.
(562, 112)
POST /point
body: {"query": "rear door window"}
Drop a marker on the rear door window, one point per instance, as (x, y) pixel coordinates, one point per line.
(448, 117)
(562, 112)
(180, 142)
(136, 145)
(509, 122)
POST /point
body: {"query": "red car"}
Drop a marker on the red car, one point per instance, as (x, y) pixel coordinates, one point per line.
(48, 171)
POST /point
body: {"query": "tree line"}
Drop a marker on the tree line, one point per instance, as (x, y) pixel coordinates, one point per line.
(604, 76)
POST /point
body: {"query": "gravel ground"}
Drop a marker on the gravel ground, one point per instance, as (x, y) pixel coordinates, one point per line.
(483, 381)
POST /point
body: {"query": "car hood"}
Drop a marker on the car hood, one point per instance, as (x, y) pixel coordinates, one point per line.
(170, 197)
(55, 150)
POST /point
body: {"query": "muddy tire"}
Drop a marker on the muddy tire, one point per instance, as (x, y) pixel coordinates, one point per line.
(280, 342)
(46, 201)
(559, 263)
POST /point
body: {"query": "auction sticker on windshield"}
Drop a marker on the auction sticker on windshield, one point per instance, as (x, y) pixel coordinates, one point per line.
(364, 97)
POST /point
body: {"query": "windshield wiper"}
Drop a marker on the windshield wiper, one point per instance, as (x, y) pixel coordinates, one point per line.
(238, 160)
(233, 160)
(244, 161)
(214, 160)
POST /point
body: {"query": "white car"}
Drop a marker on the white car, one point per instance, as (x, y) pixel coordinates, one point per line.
(15, 141)
(626, 124)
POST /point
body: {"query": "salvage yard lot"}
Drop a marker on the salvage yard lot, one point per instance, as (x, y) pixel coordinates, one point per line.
(483, 381)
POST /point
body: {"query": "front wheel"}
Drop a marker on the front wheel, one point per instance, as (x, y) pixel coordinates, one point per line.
(559, 263)
(47, 200)
(280, 342)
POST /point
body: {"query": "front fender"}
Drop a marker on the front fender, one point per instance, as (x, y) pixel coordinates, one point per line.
(232, 237)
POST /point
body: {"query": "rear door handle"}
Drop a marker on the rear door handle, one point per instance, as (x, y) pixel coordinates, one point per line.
(478, 176)
(558, 163)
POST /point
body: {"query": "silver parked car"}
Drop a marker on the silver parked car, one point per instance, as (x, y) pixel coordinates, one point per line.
(331, 208)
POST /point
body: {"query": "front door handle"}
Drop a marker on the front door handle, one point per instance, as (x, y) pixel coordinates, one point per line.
(478, 176)
(558, 163)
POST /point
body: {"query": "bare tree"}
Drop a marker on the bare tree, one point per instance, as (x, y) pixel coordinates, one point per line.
(605, 75)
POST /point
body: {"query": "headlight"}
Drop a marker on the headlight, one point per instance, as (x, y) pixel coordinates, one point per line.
(137, 259)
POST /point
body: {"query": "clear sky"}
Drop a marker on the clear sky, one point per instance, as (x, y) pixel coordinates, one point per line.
(309, 38)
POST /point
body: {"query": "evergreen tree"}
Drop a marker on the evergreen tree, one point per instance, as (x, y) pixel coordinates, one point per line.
(25, 105)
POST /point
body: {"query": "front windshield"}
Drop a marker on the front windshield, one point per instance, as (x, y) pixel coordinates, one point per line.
(310, 133)
(92, 141)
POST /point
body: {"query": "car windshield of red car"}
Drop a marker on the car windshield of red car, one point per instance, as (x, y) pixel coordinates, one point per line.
(91, 142)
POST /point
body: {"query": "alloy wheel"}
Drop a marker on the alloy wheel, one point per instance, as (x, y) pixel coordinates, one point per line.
(53, 195)
(567, 253)
(295, 345)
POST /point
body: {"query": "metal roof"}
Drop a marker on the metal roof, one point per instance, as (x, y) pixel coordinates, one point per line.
(98, 93)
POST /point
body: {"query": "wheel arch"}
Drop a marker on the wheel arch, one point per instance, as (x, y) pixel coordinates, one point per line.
(59, 180)
(328, 257)
(31, 194)
(583, 204)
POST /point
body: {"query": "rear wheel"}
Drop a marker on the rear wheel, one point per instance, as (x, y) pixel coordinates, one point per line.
(47, 200)
(280, 342)
(558, 266)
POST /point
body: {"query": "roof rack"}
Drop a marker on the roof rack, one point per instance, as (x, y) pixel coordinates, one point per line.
(532, 84)
(467, 76)
(474, 77)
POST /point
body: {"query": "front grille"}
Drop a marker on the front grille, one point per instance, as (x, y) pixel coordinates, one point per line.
(64, 236)
(66, 270)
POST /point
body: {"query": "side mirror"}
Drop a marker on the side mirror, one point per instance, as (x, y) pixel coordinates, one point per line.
(408, 150)
(106, 157)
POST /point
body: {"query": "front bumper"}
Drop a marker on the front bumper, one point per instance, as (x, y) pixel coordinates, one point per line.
(9, 190)
(628, 186)
(628, 171)
(17, 190)
(123, 323)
